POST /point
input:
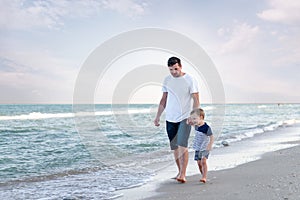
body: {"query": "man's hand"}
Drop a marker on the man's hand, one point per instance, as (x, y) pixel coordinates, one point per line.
(189, 121)
(156, 121)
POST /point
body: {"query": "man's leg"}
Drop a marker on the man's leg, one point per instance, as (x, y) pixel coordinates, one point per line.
(183, 162)
(172, 129)
(182, 141)
(177, 160)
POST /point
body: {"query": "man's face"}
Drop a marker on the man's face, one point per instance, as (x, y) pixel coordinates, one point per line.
(175, 70)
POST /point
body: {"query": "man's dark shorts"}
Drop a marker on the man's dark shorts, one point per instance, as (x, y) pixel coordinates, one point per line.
(178, 133)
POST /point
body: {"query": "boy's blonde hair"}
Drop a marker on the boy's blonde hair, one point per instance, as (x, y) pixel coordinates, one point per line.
(198, 111)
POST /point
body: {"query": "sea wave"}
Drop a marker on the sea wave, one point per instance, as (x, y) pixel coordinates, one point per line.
(58, 186)
(251, 132)
(39, 115)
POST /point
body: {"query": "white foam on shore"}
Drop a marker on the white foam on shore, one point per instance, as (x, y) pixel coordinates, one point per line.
(38, 115)
(223, 158)
(252, 149)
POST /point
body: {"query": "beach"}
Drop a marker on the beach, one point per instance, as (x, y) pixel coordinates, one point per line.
(275, 175)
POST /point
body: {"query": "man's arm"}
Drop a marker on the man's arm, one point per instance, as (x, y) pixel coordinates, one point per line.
(161, 108)
(196, 102)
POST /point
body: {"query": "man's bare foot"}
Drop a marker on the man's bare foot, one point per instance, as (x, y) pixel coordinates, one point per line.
(203, 180)
(176, 176)
(181, 180)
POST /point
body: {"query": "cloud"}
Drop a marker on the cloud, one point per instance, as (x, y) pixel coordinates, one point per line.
(282, 11)
(255, 65)
(29, 74)
(238, 38)
(127, 7)
(24, 14)
(17, 14)
(289, 51)
(286, 33)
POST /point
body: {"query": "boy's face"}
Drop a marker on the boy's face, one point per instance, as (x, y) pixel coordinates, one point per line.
(175, 70)
(196, 119)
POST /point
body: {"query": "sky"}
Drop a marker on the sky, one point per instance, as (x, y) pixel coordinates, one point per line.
(254, 45)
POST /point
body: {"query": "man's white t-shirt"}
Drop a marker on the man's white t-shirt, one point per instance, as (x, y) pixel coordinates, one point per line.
(179, 100)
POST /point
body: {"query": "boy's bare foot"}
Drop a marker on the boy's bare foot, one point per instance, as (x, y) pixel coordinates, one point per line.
(181, 180)
(203, 180)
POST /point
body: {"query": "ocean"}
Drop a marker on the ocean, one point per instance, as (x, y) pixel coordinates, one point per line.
(62, 152)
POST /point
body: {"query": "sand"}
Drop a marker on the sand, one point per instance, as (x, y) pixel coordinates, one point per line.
(275, 176)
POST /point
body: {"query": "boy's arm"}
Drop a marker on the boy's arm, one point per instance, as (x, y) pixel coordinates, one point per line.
(211, 142)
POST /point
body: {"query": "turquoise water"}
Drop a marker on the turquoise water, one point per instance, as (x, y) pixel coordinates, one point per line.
(52, 152)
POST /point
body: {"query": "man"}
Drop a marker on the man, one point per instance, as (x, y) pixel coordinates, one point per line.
(179, 89)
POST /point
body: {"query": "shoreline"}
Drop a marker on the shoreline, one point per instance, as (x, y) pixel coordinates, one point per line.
(228, 163)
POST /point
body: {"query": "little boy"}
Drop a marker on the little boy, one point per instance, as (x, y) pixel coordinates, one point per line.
(203, 141)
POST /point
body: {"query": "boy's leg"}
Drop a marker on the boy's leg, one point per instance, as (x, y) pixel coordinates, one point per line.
(200, 166)
(204, 169)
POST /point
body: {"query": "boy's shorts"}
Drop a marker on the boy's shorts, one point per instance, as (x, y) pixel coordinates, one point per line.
(201, 154)
(178, 133)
